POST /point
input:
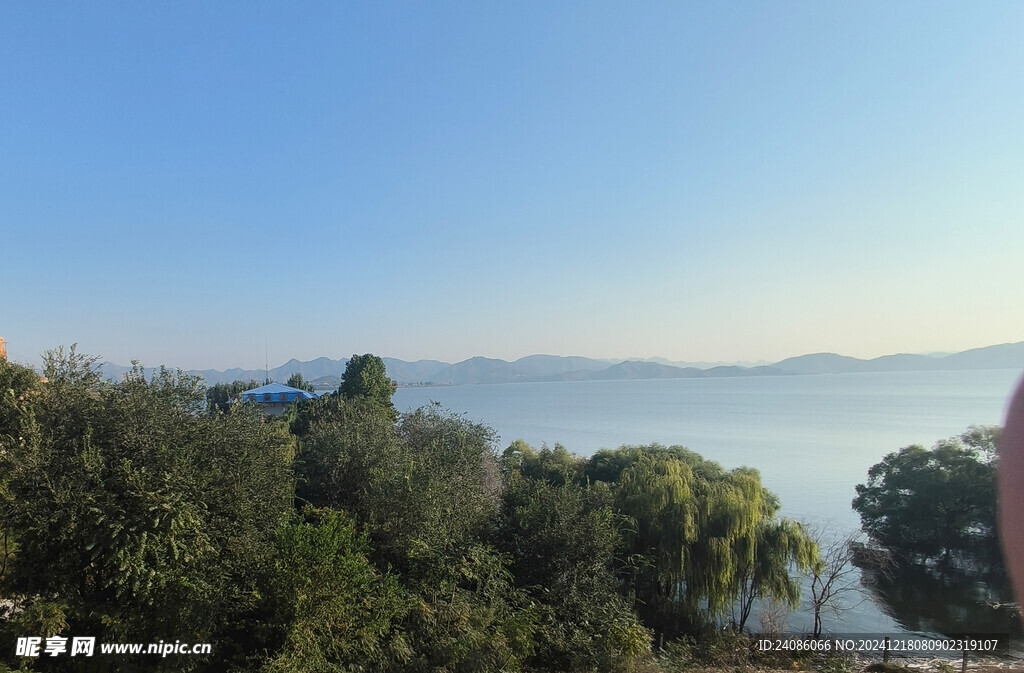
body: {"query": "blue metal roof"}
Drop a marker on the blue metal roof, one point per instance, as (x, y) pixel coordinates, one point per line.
(277, 392)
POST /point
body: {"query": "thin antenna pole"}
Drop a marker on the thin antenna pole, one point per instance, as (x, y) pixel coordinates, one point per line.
(266, 361)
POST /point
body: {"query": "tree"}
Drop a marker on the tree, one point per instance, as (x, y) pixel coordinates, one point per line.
(938, 504)
(698, 537)
(781, 544)
(220, 396)
(556, 466)
(340, 613)
(562, 539)
(19, 386)
(349, 453)
(837, 585)
(297, 381)
(309, 412)
(366, 377)
(425, 490)
(19, 390)
(467, 615)
(656, 494)
(136, 512)
(429, 482)
(450, 479)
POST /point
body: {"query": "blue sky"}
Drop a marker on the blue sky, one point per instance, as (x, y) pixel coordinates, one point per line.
(193, 183)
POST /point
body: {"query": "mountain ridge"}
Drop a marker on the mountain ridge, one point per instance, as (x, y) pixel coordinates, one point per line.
(541, 367)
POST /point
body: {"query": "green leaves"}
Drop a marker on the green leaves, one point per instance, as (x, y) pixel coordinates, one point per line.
(431, 481)
(138, 511)
(425, 491)
(220, 396)
(339, 610)
(764, 568)
(699, 538)
(296, 380)
(682, 539)
(563, 539)
(366, 377)
(937, 503)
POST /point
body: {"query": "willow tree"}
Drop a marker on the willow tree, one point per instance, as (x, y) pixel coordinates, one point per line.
(731, 507)
(699, 537)
(780, 545)
(656, 494)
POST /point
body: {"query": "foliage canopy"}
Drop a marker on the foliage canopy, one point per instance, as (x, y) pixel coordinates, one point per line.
(137, 513)
(936, 504)
(366, 377)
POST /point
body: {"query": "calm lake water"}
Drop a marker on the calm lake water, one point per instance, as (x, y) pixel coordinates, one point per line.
(813, 438)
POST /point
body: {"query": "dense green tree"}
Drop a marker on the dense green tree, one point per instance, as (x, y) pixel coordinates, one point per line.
(555, 466)
(451, 478)
(467, 616)
(732, 508)
(307, 412)
(563, 539)
(340, 613)
(349, 452)
(426, 490)
(137, 513)
(220, 395)
(19, 389)
(656, 494)
(366, 377)
(296, 380)
(19, 386)
(430, 481)
(937, 504)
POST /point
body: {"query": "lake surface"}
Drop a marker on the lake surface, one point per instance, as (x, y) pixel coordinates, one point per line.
(812, 437)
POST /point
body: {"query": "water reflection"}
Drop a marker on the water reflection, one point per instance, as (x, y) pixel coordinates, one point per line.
(922, 600)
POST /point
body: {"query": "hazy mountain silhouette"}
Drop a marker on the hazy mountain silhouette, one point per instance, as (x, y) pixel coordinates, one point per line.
(529, 368)
(326, 372)
(1002, 356)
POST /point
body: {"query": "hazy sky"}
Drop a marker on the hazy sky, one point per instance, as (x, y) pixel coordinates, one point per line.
(191, 183)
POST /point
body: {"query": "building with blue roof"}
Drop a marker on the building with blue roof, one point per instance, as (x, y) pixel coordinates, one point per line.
(275, 397)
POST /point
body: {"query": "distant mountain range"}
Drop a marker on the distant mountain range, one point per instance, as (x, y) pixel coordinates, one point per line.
(325, 373)
(1003, 356)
